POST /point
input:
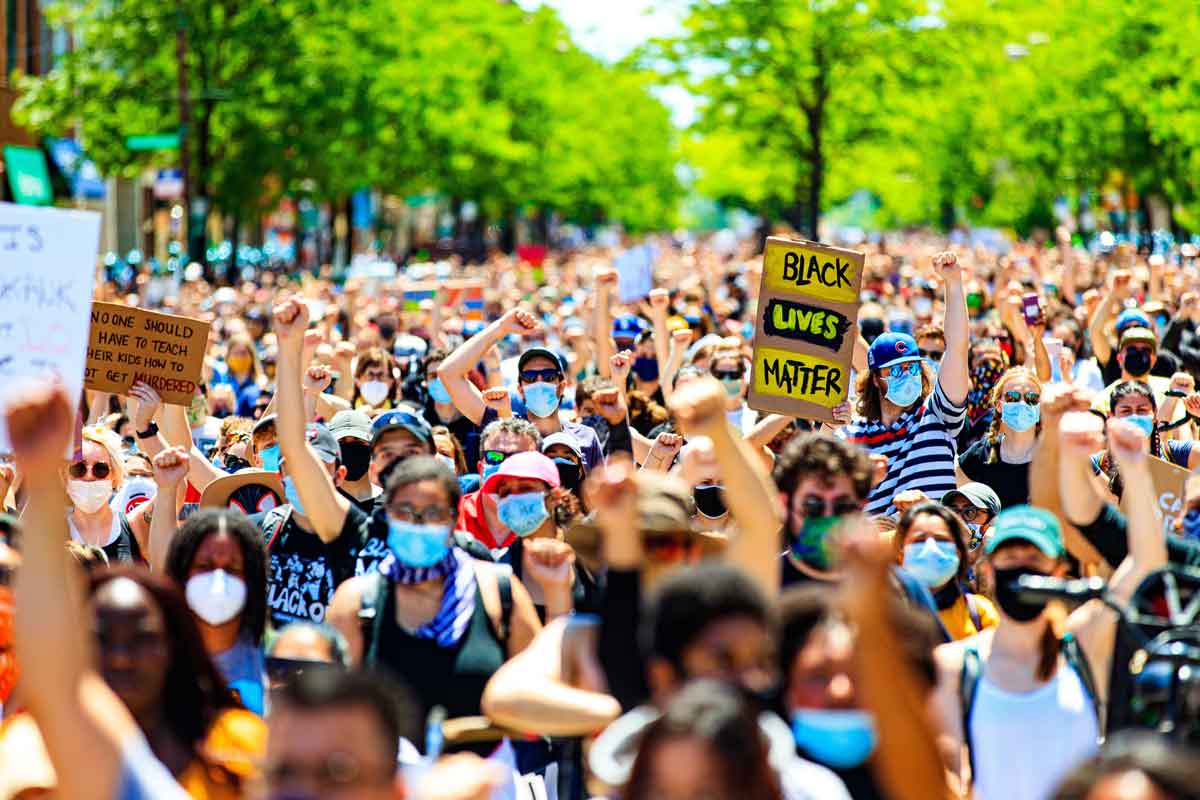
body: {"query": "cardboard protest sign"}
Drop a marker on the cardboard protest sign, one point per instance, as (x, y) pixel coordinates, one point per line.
(128, 345)
(1169, 483)
(806, 328)
(47, 271)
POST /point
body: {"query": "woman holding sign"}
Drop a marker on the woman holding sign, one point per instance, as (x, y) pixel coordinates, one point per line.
(908, 414)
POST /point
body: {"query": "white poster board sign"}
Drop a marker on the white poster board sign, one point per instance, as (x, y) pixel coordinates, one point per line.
(635, 273)
(47, 269)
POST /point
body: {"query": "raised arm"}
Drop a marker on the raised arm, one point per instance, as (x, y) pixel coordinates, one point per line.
(952, 376)
(753, 500)
(82, 723)
(659, 300)
(605, 280)
(324, 506)
(555, 687)
(679, 344)
(1098, 324)
(1147, 544)
(170, 468)
(453, 371)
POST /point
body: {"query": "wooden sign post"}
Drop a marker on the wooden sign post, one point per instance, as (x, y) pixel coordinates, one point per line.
(128, 345)
(806, 328)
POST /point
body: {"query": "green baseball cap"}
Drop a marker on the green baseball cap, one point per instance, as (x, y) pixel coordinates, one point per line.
(1027, 524)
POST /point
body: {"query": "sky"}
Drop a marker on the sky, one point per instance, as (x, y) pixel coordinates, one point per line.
(611, 29)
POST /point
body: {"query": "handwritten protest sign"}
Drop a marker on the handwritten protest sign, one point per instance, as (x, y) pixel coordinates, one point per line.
(1169, 483)
(805, 328)
(128, 345)
(47, 268)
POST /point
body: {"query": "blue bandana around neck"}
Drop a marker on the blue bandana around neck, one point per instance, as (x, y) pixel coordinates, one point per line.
(458, 595)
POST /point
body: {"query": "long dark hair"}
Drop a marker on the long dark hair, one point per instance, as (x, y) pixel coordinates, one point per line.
(1123, 390)
(958, 530)
(194, 693)
(714, 712)
(208, 522)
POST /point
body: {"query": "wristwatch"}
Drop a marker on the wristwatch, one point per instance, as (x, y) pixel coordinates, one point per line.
(150, 432)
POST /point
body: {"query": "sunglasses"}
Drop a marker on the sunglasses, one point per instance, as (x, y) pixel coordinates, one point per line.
(79, 469)
(547, 375)
(814, 507)
(1032, 398)
(932, 355)
(493, 458)
(727, 374)
(899, 370)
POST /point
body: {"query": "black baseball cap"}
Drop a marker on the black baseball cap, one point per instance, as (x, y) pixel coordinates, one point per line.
(540, 352)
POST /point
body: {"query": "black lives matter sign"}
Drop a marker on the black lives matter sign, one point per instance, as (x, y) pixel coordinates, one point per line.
(805, 328)
(130, 345)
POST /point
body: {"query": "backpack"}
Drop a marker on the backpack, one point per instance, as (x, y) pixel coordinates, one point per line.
(374, 597)
(972, 672)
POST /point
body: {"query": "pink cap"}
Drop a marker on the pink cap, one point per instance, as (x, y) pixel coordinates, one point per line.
(530, 464)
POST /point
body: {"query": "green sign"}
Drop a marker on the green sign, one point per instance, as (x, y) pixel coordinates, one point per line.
(153, 141)
(28, 176)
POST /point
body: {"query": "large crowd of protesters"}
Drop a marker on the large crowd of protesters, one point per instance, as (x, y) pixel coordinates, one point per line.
(528, 540)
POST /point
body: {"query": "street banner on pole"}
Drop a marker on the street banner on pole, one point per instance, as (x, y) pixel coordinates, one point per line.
(131, 345)
(47, 269)
(805, 328)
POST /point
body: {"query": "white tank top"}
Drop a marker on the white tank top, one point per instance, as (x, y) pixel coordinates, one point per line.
(1024, 744)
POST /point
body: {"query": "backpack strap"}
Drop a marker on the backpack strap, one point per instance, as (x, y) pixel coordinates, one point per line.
(370, 614)
(1076, 660)
(504, 587)
(973, 611)
(972, 672)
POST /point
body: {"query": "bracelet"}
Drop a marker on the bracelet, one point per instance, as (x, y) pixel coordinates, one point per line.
(150, 432)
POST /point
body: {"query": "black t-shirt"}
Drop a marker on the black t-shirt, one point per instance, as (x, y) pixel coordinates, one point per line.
(367, 506)
(303, 572)
(1108, 534)
(1010, 482)
(463, 429)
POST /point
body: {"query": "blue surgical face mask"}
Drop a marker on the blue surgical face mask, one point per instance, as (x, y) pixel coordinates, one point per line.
(438, 391)
(489, 469)
(541, 399)
(836, 738)
(1191, 524)
(933, 563)
(1020, 416)
(270, 458)
(1143, 421)
(523, 513)
(905, 390)
(733, 386)
(293, 496)
(418, 545)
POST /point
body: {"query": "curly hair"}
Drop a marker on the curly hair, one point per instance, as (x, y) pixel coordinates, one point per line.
(992, 437)
(870, 399)
(825, 457)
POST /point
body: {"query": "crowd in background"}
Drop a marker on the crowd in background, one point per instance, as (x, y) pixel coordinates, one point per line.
(530, 540)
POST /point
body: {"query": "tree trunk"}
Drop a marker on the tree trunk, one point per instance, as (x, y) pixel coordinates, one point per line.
(233, 274)
(816, 150)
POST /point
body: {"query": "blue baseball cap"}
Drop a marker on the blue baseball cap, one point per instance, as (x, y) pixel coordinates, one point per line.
(1132, 318)
(626, 326)
(892, 348)
(402, 420)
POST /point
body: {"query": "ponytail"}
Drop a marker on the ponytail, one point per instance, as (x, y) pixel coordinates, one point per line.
(1050, 643)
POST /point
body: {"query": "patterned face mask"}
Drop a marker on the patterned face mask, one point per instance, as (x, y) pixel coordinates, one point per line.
(983, 380)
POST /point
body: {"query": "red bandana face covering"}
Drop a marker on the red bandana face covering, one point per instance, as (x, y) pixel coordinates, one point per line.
(8, 659)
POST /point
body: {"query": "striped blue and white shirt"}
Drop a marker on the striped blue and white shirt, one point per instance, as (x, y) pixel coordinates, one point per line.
(919, 447)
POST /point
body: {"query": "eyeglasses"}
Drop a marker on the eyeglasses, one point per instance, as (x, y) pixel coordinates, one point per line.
(910, 368)
(813, 507)
(727, 374)
(494, 458)
(969, 513)
(547, 375)
(1013, 396)
(932, 355)
(335, 773)
(434, 515)
(79, 469)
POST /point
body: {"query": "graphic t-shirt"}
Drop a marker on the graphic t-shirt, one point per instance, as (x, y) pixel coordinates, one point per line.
(303, 572)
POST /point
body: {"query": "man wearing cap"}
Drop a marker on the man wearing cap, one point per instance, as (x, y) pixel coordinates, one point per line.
(1137, 357)
(977, 505)
(396, 435)
(909, 414)
(540, 382)
(320, 538)
(352, 429)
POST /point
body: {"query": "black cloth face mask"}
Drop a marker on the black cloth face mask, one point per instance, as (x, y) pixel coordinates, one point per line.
(357, 458)
(1009, 599)
(710, 500)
